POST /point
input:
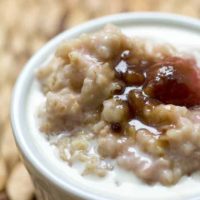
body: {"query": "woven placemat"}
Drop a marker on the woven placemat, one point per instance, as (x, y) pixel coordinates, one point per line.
(25, 26)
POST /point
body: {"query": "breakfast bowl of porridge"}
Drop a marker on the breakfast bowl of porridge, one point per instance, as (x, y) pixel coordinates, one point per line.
(111, 110)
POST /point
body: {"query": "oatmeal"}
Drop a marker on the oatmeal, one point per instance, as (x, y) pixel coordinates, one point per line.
(113, 101)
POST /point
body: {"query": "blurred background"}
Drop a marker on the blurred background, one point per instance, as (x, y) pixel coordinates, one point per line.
(25, 25)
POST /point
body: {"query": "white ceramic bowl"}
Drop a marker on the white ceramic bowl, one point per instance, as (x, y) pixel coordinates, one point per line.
(49, 181)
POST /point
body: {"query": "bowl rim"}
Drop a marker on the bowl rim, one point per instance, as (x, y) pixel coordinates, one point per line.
(18, 94)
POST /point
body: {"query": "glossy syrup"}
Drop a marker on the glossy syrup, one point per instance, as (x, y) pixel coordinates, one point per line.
(147, 83)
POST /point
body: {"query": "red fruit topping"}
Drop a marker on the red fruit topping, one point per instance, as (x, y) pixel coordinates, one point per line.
(174, 81)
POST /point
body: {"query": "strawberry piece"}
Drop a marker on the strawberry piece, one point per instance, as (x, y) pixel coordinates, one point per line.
(174, 81)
